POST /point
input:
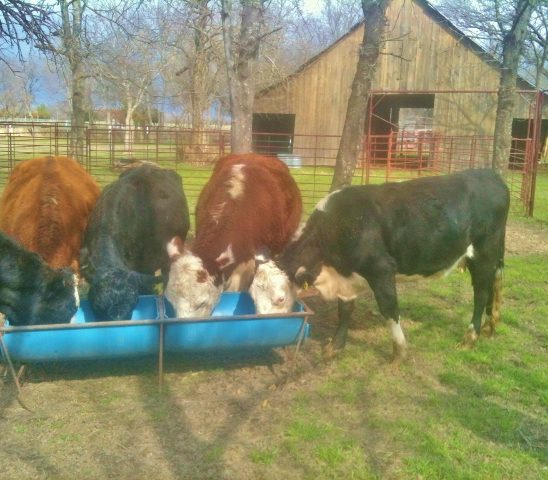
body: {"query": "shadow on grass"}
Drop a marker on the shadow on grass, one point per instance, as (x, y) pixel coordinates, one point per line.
(474, 406)
(196, 428)
(148, 366)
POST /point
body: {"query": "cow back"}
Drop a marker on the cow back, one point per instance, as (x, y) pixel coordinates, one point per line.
(134, 218)
(46, 205)
(250, 202)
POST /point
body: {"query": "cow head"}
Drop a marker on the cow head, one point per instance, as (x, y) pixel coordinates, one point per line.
(59, 300)
(276, 283)
(271, 289)
(191, 289)
(114, 292)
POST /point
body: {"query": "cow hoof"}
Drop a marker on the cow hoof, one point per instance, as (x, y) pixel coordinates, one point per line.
(469, 340)
(487, 330)
(399, 352)
(329, 351)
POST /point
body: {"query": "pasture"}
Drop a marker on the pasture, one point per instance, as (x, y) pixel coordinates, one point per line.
(444, 413)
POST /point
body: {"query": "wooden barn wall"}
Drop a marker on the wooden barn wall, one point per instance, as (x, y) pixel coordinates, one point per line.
(421, 55)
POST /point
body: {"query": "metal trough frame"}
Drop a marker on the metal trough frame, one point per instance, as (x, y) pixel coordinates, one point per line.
(161, 322)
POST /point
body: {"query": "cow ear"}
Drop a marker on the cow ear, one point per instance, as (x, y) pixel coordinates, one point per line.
(201, 275)
(226, 258)
(303, 276)
(175, 248)
(262, 255)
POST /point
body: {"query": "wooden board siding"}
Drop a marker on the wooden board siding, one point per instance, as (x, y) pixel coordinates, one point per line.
(421, 55)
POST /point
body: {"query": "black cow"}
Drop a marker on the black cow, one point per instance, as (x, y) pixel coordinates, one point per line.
(421, 226)
(32, 293)
(125, 240)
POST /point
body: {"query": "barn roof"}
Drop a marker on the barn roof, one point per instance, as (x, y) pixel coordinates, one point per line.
(437, 17)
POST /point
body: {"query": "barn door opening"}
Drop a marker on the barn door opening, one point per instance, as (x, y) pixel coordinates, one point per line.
(401, 127)
(273, 133)
(522, 138)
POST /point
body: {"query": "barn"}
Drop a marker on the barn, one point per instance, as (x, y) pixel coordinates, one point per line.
(434, 93)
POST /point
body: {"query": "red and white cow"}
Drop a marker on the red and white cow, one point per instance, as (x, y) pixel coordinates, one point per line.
(251, 204)
(46, 205)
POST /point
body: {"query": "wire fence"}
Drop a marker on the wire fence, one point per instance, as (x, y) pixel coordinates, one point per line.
(400, 155)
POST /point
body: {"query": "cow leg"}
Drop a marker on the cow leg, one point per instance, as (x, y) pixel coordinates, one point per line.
(483, 278)
(492, 309)
(345, 310)
(383, 284)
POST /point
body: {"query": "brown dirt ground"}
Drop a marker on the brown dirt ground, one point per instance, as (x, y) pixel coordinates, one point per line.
(103, 420)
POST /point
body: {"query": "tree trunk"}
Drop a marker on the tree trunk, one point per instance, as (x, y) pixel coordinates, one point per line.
(354, 125)
(198, 73)
(511, 49)
(73, 51)
(78, 111)
(128, 133)
(240, 65)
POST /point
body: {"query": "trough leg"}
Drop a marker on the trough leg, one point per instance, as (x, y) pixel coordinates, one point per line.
(345, 310)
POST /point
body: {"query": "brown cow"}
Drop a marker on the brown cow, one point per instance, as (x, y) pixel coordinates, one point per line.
(250, 204)
(46, 205)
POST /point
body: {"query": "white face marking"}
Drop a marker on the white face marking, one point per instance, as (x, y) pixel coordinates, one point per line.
(322, 204)
(397, 333)
(172, 248)
(185, 290)
(76, 294)
(332, 285)
(226, 258)
(236, 184)
(271, 290)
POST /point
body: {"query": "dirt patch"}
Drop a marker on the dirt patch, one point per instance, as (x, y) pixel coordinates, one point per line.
(524, 237)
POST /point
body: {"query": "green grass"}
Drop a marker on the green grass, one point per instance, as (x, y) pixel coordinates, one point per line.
(444, 413)
(541, 195)
(447, 413)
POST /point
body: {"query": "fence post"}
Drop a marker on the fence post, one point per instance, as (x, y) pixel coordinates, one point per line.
(88, 149)
(157, 145)
(222, 144)
(10, 148)
(110, 145)
(56, 133)
(450, 155)
(420, 140)
(472, 162)
(535, 151)
(389, 156)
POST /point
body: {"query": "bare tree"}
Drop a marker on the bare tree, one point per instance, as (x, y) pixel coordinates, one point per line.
(536, 49)
(25, 22)
(74, 49)
(375, 21)
(242, 52)
(129, 63)
(512, 44)
(503, 27)
(18, 85)
(196, 61)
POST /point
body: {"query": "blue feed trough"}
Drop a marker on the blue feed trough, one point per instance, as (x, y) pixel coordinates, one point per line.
(233, 325)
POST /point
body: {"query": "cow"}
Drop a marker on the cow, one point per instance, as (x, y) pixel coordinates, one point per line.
(31, 292)
(251, 205)
(124, 243)
(46, 205)
(422, 226)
